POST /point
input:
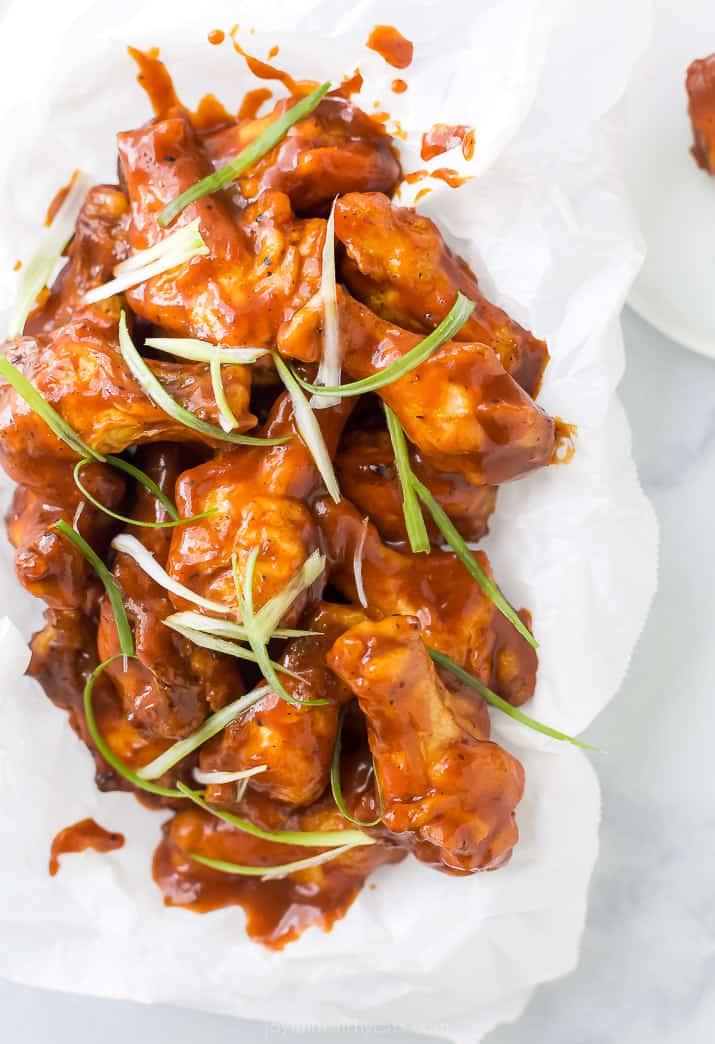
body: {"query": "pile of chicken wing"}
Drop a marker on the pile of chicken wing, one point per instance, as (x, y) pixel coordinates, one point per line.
(447, 793)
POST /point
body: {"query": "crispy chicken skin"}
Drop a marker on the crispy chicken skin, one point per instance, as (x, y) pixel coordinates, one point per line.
(448, 795)
(271, 727)
(257, 274)
(398, 264)
(700, 85)
(337, 149)
(461, 408)
(368, 477)
(455, 616)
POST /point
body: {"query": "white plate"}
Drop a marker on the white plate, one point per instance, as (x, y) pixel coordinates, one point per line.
(674, 199)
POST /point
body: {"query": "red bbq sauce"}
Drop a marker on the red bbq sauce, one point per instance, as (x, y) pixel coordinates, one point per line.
(216, 36)
(391, 45)
(81, 836)
(442, 137)
(565, 441)
(252, 102)
(398, 86)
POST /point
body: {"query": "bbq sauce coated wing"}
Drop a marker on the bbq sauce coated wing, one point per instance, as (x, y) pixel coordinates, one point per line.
(461, 408)
(399, 265)
(255, 275)
(455, 616)
(368, 477)
(448, 795)
(700, 85)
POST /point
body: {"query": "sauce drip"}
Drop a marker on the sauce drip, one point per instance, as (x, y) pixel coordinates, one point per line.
(153, 76)
(273, 51)
(17, 266)
(252, 102)
(58, 199)
(391, 45)
(398, 86)
(264, 71)
(451, 177)
(81, 836)
(565, 444)
(442, 137)
(210, 115)
(350, 85)
(216, 36)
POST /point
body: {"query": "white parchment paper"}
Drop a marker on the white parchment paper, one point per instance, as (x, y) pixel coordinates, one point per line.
(547, 228)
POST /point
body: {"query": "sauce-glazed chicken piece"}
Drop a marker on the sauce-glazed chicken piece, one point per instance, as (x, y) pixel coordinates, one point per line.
(277, 911)
(83, 376)
(270, 728)
(461, 408)
(337, 149)
(456, 617)
(259, 496)
(447, 794)
(398, 263)
(175, 684)
(46, 563)
(368, 477)
(700, 85)
(256, 274)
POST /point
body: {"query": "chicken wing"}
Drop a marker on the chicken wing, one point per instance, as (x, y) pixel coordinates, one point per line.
(398, 263)
(368, 477)
(456, 617)
(294, 743)
(448, 795)
(254, 277)
(462, 410)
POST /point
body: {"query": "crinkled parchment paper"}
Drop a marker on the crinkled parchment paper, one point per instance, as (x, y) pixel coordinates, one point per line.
(546, 226)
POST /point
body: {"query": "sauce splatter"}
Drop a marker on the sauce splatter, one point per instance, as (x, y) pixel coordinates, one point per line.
(58, 199)
(350, 85)
(451, 177)
(252, 102)
(210, 115)
(422, 193)
(565, 444)
(443, 137)
(216, 36)
(17, 266)
(153, 76)
(273, 52)
(79, 837)
(264, 71)
(398, 86)
(391, 45)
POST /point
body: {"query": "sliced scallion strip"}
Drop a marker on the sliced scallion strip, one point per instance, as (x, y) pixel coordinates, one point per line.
(269, 615)
(124, 631)
(330, 362)
(303, 838)
(497, 701)
(39, 405)
(161, 398)
(452, 323)
(455, 540)
(204, 351)
(227, 628)
(117, 462)
(214, 724)
(414, 520)
(246, 158)
(357, 564)
(336, 786)
(272, 873)
(38, 271)
(220, 645)
(227, 418)
(218, 778)
(129, 545)
(175, 249)
(309, 429)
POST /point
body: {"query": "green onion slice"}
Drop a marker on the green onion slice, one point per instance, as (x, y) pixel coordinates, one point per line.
(497, 701)
(304, 838)
(126, 640)
(357, 564)
(227, 418)
(107, 753)
(309, 429)
(414, 520)
(161, 398)
(38, 271)
(246, 158)
(220, 645)
(175, 249)
(452, 323)
(336, 786)
(468, 560)
(272, 873)
(331, 359)
(129, 545)
(228, 629)
(204, 351)
(218, 778)
(57, 424)
(269, 616)
(142, 477)
(214, 724)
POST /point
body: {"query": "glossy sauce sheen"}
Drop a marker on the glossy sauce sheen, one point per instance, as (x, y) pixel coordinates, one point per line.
(443, 137)
(81, 836)
(391, 45)
(700, 85)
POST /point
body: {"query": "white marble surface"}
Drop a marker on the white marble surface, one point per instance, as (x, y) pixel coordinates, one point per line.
(647, 970)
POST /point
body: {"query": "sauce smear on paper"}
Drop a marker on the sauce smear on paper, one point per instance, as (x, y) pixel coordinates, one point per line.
(391, 45)
(252, 102)
(81, 836)
(443, 136)
(565, 445)
(155, 79)
(398, 86)
(216, 36)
